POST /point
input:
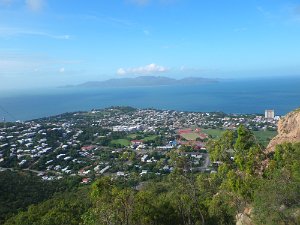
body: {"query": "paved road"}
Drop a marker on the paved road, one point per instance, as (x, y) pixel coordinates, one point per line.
(205, 165)
(206, 162)
(34, 171)
(4, 169)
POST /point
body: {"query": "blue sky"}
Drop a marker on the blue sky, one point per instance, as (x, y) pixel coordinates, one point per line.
(58, 42)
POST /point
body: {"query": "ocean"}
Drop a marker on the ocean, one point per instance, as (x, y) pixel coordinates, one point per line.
(229, 96)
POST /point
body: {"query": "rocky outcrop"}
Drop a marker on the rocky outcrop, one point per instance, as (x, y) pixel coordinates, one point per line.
(244, 218)
(288, 130)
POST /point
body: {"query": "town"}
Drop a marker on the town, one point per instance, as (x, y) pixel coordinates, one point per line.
(127, 143)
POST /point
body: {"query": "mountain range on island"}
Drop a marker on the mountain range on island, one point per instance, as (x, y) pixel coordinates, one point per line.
(147, 81)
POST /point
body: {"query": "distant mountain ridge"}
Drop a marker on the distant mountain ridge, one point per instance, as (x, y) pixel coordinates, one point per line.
(147, 81)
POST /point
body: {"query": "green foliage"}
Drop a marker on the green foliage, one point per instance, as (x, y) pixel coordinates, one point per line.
(244, 140)
(63, 209)
(153, 206)
(264, 136)
(248, 153)
(221, 149)
(213, 133)
(19, 190)
(277, 200)
(120, 142)
(112, 205)
(88, 134)
(221, 210)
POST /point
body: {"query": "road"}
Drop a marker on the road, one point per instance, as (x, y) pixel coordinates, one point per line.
(34, 171)
(205, 165)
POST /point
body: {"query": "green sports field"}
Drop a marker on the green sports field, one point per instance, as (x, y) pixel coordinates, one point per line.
(190, 136)
(123, 142)
(150, 138)
(262, 137)
(215, 133)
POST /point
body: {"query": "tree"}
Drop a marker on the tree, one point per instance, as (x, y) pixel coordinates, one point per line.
(277, 200)
(65, 208)
(184, 196)
(221, 148)
(244, 141)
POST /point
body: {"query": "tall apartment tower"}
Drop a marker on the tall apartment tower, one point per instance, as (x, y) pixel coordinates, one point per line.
(269, 114)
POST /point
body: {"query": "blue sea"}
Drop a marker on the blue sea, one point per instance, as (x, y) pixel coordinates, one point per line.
(229, 96)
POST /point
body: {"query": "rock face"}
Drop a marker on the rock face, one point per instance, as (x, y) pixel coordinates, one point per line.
(244, 218)
(288, 130)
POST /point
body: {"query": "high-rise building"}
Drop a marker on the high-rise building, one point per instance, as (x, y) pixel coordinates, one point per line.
(269, 114)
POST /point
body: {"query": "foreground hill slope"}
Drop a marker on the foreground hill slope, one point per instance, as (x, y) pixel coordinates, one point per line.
(288, 130)
(237, 192)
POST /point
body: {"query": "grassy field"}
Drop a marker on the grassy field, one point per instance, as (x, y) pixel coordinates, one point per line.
(215, 133)
(132, 136)
(123, 142)
(126, 142)
(150, 138)
(190, 136)
(262, 136)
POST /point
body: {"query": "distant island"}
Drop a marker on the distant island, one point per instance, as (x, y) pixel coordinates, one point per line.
(146, 81)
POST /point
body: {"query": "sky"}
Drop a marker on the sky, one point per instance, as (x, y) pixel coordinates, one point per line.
(60, 42)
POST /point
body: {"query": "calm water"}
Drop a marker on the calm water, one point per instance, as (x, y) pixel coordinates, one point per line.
(251, 96)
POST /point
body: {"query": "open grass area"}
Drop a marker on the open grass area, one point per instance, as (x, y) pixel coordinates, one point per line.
(132, 136)
(123, 142)
(150, 138)
(264, 137)
(214, 133)
(190, 136)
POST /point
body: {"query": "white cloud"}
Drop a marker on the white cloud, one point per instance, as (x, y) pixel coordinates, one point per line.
(18, 62)
(143, 70)
(7, 31)
(121, 71)
(35, 5)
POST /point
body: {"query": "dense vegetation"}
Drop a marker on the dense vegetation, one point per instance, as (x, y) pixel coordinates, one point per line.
(266, 188)
(64, 208)
(21, 189)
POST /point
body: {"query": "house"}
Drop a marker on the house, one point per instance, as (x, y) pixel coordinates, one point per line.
(104, 169)
(144, 172)
(137, 142)
(85, 180)
(119, 173)
(143, 159)
(88, 148)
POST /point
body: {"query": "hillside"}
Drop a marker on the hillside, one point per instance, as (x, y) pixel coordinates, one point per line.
(288, 130)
